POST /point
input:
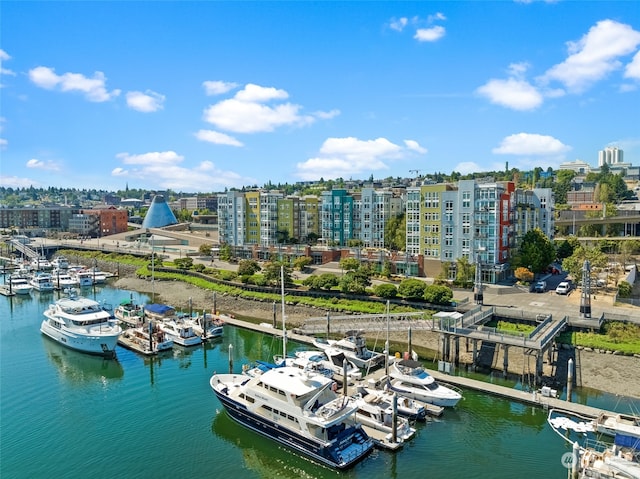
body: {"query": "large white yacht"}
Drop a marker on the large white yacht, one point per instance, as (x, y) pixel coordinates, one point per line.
(82, 324)
(20, 284)
(410, 379)
(299, 410)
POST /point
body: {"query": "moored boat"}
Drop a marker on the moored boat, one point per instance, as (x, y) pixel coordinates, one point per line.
(613, 424)
(42, 282)
(19, 284)
(298, 410)
(82, 324)
(410, 379)
(147, 339)
(354, 347)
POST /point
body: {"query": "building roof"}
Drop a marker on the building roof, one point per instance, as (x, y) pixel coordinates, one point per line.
(159, 214)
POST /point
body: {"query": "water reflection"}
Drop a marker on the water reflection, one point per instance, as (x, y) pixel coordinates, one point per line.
(80, 368)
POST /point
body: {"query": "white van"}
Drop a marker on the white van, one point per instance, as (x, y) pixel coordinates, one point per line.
(563, 288)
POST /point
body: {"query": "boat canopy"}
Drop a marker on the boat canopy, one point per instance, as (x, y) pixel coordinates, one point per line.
(160, 309)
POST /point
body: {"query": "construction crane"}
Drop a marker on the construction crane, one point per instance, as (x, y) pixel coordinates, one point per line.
(417, 172)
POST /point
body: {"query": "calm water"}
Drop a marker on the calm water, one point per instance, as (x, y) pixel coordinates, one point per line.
(65, 414)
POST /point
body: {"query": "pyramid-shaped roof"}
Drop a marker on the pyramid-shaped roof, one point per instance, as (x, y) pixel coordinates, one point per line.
(159, 214)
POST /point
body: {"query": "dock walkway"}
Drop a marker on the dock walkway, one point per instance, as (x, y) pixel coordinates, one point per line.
(530, 398)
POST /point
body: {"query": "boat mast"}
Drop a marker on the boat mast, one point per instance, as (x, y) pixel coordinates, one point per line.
(284, 327)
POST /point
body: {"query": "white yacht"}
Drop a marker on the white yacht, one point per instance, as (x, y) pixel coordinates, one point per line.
(410, 379)
(334, 365)
(63, 280)
(60, 262)
(377, 422)
(19, 284)
(42, 282)
(41, 264)
(207, 326)
(354, 347)
(299, 411)
(412, 409)
(82, 324)
(84, 277)
(312, 363)
(129, 313)
(180, 332)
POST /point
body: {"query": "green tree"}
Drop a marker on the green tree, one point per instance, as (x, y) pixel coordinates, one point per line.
(438, 294)
(248, 267)
(536, 251)
(395, 234)
(205, 249)
(349, 264)
(465, 272)
(302, 262)
(411, 288)
(271, 273)
(225, 252)
(574, 263)
(624, 289)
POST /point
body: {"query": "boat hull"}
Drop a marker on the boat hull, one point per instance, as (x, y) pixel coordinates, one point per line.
(101, 345)
(316, 451)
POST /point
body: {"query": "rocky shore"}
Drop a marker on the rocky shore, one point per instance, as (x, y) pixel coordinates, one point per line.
(614, 374)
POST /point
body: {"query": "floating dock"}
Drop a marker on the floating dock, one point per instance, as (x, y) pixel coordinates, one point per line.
(534, 398)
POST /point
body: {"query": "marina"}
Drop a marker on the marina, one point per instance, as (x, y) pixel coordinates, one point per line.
(497, 424)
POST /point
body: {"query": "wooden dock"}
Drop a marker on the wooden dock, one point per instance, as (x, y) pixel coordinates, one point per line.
(530, 398)
(6, 290)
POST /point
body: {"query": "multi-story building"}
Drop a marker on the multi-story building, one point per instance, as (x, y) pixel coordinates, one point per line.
(232, 218)
(476, 220)
(110, 220)
(611, 155)
(37, 219)
(289, 219)
(309, 218)
(269, 217)
(337, 217)
(371, 212)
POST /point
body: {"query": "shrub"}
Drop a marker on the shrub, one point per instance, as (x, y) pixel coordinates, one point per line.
(385, 290)
(199, 267)
(411, 288)
(438, 294)
(624, 289)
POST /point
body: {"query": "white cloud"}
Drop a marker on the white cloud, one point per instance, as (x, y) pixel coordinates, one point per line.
(430, 34)
(42, 165)
(415, 146)
(16, 182)
(512, 93)
(217, 138)
(252, 93)
(344, 157)
(398, 24)
(218, 87)
(531, 144)
(154, 158)
(632, 70)
(3, 143)
(247, 112)
(439, 16)
(326, 115)
(467, 167)
(4, 56)
(166, 170)
(94, 88)
(146, 102)
(594, 56)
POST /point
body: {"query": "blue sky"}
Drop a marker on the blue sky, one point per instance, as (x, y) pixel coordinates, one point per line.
(199, 96)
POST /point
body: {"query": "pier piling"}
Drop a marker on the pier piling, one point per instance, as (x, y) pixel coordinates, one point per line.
(505, 361)
(569, 379)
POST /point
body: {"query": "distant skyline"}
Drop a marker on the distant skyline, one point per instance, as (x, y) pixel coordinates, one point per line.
(203, 96)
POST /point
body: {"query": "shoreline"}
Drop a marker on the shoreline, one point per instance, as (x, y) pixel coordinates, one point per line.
(614, 374)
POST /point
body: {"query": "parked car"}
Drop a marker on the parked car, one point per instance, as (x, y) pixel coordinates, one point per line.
(563, 288)
(540, 287)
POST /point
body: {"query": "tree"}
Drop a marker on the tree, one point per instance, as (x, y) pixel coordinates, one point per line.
(438, 294)
(354, 282)
(395, 234)
(385, 290)
(566, 248)
(355, 243)
(248, 267)
(349, 264)
(624, 289)
(536, 251)
(574, 263)
(465, 272)
(183, 263)
(225, 252)
(312, 238)
(205, 249)
(411, 288)
(271, 273)
(523, 274)
(302, 262)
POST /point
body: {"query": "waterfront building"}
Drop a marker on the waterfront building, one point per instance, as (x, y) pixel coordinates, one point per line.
(371, 212)
(337, 217)
(231, 218)
(36, 219)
